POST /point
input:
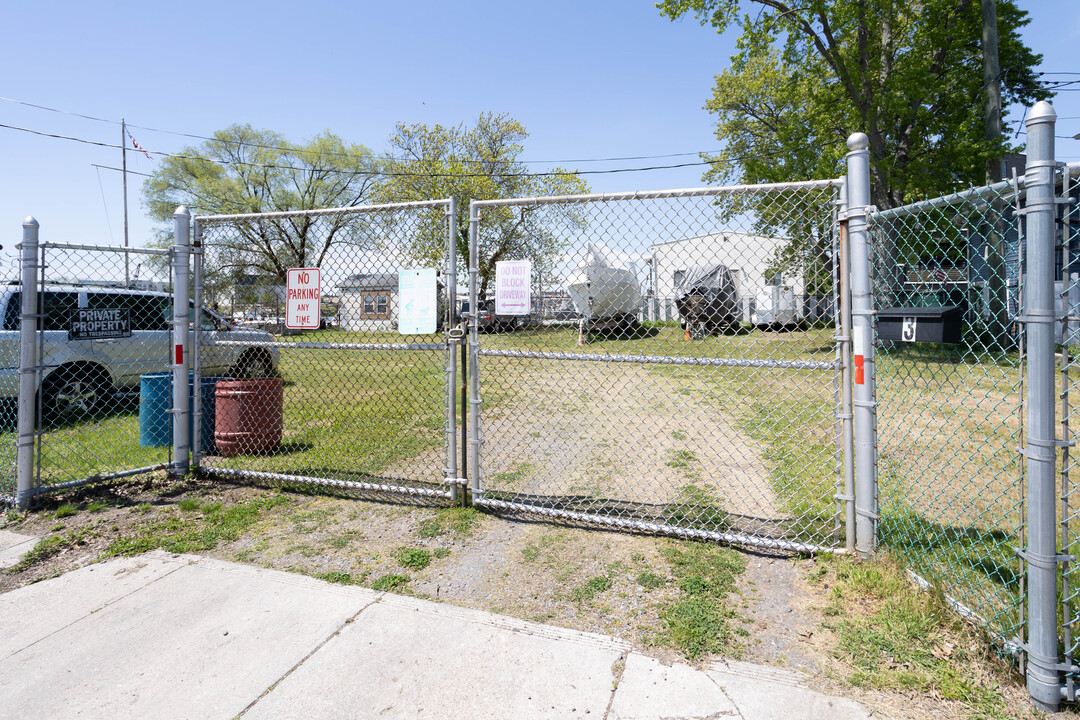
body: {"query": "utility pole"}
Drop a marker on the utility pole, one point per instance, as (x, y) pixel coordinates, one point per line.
(995, 242)
(992, 83)
(123, 150)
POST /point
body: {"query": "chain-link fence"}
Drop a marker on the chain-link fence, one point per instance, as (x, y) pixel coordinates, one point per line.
(358, 394)
(103, 349)
(1068, 306)
(674, 368)
(948, 281)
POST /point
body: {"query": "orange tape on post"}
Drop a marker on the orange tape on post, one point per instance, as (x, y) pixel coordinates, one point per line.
(860, 356)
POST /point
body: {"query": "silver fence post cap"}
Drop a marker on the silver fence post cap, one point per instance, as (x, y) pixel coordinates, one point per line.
(1041, 112)
(181, 211)
(30, 222)
(858, 141)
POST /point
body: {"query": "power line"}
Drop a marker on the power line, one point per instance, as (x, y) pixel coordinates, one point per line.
(372, 173)
(62, 112)
(382, 155)
(129, 172)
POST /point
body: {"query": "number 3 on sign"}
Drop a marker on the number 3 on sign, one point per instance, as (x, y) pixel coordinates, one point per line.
(907, 331)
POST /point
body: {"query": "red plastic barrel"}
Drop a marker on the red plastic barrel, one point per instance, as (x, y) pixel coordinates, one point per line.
(248, 416)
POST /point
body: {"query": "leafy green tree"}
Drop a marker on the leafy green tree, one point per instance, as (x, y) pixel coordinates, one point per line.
(244, 170)
(807, 73)
(479, 163)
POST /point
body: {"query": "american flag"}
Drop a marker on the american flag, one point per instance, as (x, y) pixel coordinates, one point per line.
(139, 147)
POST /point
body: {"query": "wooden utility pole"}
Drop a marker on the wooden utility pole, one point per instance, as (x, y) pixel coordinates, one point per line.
(992, 83)
(995, 242)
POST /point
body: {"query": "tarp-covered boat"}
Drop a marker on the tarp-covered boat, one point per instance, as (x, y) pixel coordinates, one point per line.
(707, 300)
(602, 287)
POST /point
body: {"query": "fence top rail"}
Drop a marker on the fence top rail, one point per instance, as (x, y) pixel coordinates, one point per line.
(986, 192)
(350, 210)
(660, 194)
(102, 248)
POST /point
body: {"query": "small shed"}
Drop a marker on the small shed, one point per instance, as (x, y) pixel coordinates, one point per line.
(369, 302)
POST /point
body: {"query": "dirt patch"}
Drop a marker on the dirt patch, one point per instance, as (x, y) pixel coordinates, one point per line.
(599, 434)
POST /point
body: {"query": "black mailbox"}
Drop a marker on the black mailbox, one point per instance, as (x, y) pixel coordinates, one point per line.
(920, 324)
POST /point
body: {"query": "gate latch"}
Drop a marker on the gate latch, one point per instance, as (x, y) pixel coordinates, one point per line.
(457, 333)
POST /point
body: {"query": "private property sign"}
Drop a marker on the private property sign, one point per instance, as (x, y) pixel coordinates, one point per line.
(302, 291)
(99, 323)
(512, 287)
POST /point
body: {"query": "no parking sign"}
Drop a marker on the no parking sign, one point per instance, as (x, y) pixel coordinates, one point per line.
(302, 309)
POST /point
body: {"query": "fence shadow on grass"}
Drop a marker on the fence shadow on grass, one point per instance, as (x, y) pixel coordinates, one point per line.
(977, 567)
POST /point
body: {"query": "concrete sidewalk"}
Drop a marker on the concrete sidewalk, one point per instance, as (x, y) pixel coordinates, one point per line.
(180, 636)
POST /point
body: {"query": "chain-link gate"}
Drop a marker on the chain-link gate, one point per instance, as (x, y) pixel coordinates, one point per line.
(363, 403)
(950, 413)
(677, 369)
(101, 391)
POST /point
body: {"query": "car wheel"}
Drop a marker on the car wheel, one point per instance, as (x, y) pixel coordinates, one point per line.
(74, 395)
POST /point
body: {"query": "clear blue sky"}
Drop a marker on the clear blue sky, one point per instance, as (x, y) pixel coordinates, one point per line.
(588, 78)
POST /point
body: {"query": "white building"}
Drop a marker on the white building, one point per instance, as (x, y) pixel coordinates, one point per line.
(764, 296)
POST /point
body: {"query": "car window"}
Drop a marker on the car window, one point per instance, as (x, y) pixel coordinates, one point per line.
(13, 311)
(58, 307)
(148, 312)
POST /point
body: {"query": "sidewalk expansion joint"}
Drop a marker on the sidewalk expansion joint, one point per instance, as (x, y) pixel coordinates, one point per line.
(345, 623)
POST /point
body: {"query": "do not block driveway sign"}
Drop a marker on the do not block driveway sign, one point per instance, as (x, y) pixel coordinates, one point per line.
(302, 292)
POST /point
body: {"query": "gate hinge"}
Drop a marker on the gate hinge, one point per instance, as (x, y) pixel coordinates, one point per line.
(1043, 561)
(1017, 648)
(463, 482)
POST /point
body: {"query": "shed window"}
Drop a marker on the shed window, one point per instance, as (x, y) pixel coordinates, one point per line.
(376, 305)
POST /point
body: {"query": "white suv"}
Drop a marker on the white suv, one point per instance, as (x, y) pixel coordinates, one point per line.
(80, 373)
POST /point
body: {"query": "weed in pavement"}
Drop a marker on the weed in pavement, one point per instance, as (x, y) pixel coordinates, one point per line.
(590, 589)
(187, 532)
(413, 558)
(698, 620)
(390, 583)
(455, 521)
(650, 580)
(53, 545)
(341, 578)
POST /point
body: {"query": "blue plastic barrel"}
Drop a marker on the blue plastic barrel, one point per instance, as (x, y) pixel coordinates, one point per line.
(155, 399)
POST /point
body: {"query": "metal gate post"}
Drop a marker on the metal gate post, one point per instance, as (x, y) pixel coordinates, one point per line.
(196, 337)
(846, 417)
(28, 358)
(181, 319)
(474, 351)
(1041, 554)
(862, 327)
(451, 361)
